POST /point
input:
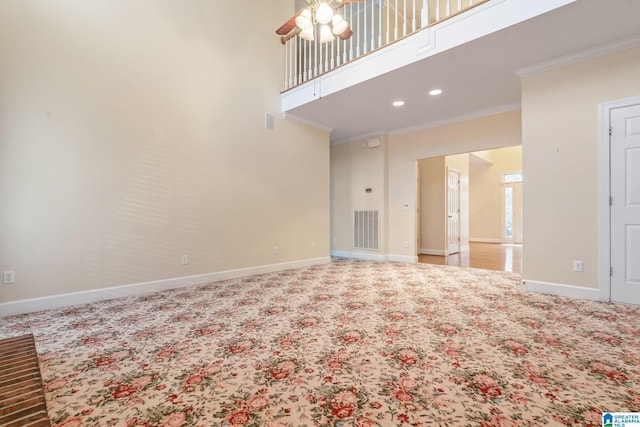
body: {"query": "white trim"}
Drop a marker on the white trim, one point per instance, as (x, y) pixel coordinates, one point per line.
(562, 290)
(315, 125)
(465, 248)
(577, 57)
(438, 252)
(360, 255)
(403, 258)
(457, 119)
(362, 137)
(376, 257)
(86, 297)
(604, 192)
(484, 240)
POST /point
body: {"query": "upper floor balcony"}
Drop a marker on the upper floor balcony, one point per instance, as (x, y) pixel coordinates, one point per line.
(473, 50)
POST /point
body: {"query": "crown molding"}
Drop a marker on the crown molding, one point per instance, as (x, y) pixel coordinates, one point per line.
(315, 125)
(359, 137)
(577, 57)
(462, 118)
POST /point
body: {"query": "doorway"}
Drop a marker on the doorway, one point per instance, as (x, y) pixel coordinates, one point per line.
(462, 210)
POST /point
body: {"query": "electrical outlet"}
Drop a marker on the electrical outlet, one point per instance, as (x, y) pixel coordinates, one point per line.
(406, 244)
(276, 251)
(184, 260)
(313, 246)
(8, 277)
(578, 266)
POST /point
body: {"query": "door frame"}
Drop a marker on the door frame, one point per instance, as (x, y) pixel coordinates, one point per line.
(446, 213)
(604, 191)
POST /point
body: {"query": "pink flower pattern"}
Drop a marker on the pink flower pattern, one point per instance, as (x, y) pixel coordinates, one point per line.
(351, 343)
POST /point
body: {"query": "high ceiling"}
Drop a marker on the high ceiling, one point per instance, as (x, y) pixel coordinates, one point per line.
(478, 77)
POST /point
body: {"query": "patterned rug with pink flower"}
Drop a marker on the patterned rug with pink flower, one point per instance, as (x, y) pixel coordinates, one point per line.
(351, 343)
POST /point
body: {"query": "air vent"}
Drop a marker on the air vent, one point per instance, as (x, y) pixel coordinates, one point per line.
(366, 229)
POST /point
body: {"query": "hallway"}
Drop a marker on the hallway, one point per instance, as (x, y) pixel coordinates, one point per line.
(491, 256)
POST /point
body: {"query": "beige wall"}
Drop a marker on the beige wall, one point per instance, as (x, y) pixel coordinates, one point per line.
(560, 153)
(354, 168)
(131, 133)
(498, 130)
(432, 205)
(485, 195)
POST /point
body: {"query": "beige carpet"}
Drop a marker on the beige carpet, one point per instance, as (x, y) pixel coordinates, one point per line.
(346, 344)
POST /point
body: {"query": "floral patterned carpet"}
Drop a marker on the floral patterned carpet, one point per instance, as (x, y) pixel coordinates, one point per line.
(351, 343)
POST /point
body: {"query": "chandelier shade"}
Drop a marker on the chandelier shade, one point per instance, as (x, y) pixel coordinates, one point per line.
(324, 13)
(304, 20)
(338, 24)
(319, 19)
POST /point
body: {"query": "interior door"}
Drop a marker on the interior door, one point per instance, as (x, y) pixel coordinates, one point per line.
(453, 211)
(625, 206)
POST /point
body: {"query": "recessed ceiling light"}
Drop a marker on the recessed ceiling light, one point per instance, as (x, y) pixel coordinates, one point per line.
(435, 92)
(398, 103)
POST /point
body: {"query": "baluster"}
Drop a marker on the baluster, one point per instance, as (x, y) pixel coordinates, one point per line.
(373, 26)
(395, 29)
(424, 14)
(291, 61)
(388, 24)
(380, 23)
(364, 33)
(413, 21)
(326, 57)
(316, 65)
(337, 42)
(352, 37)
(448, 8)
(358, 32)
(333, 53)
(459, 5)
(298, 58)
(404, 19)
(286, 67)
(304, 61)
(437, 10)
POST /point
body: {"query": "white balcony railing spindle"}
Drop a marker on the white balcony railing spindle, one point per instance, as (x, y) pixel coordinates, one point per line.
(380, 4)
(375, 24)
(388, 24)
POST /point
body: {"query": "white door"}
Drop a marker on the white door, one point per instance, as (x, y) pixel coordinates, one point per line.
(625, 206)
(512, 212)
(453, 211)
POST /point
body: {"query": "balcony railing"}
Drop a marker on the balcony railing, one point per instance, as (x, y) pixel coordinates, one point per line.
(375, 24)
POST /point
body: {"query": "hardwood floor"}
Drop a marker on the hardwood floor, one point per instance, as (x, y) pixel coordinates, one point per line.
(491, 256)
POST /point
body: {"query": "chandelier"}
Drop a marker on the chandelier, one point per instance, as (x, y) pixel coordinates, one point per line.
(320, 19)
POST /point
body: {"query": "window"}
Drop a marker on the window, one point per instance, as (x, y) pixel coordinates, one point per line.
(512, 177)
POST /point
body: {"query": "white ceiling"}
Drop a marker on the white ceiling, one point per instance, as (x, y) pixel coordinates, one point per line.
(478, 77)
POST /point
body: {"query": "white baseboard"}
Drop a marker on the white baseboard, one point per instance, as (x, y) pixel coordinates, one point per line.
(376, 257)
(438, 252)
(484, 240)
(465, 248)
(562, 290)
(85, 297)
(403, 258)
(360, 255)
